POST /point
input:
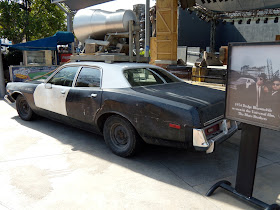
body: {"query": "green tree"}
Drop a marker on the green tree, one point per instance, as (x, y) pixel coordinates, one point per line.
(38, 19)
(11, 21)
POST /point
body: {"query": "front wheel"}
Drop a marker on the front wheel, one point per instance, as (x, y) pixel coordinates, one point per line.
(23, 109)
(121, 136)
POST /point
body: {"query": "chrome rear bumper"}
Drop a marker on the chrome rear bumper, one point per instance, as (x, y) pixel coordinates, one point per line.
(201, 142)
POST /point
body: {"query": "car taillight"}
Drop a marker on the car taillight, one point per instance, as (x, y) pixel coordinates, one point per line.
(212, 129)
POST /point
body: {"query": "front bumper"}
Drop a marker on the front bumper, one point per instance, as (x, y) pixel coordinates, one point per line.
(202, 142)
(9, 99)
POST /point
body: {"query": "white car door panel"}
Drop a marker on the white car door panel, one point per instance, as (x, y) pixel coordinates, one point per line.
(52, 99)
(52, 95)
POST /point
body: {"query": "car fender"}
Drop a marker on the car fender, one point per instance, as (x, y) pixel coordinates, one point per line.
(25, 89)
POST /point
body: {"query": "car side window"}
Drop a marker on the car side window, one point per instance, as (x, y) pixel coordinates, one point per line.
(169, 78)
(142, 77)
(65, 76)
(88, 77)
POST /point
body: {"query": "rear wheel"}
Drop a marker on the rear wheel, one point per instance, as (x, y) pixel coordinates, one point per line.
(121, 136)
(23, 109)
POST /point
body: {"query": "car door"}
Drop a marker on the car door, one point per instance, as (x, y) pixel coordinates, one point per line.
(52, 95)
(84, 99)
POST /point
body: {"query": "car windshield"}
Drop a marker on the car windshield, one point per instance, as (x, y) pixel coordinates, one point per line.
(148, 76)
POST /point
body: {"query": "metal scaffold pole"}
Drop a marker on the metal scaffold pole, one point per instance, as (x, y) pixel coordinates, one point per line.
(69, 22)
(213, 36)
(2, 79)
(147, 28)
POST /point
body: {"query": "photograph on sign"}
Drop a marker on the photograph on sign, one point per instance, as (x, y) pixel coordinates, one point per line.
(253, 87)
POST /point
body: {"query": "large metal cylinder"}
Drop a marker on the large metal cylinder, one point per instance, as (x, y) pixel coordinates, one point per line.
(96, 24)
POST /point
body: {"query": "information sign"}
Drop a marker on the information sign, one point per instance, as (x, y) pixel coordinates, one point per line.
(253, 87)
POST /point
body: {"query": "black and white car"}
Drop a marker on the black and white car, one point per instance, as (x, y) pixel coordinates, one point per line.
(128, 103)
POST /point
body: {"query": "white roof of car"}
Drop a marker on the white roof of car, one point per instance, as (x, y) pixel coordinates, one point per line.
(113, 76)
(114, 65)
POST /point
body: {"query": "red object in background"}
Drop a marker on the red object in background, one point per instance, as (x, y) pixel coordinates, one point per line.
(65, 57)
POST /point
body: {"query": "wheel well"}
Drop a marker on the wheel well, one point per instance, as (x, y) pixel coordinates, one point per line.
(15, 95)
(102, 119)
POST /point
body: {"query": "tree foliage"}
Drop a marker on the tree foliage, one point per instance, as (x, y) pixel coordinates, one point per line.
(39, 20)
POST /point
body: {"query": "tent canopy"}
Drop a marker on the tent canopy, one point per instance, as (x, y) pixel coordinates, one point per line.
(227, 6)
(76, 5)
(49, 43)
(215, 5)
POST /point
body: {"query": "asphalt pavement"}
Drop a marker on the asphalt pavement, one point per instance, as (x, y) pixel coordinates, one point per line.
(48, 165)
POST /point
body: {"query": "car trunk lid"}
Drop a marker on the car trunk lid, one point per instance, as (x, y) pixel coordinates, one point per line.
(209, 103)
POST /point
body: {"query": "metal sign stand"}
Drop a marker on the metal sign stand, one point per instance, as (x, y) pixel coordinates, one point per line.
(248, 154)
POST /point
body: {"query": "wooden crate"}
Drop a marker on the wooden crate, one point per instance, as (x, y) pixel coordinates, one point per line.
(153, 50)
(166, 29)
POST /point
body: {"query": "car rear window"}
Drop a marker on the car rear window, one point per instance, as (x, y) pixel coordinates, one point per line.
(148, 76)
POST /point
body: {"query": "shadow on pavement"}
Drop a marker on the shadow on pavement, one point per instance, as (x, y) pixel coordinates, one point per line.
(194, 170)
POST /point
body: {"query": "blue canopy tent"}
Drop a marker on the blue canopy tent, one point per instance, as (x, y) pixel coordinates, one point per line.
(49, 43)
(38, 68)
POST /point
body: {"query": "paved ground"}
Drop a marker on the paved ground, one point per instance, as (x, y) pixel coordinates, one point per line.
(47, 165)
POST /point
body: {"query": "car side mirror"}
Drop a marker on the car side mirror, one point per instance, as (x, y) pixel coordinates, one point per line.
(48, 86)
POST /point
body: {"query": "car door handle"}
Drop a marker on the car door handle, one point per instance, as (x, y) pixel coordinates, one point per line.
(93, 95)
(62, 92)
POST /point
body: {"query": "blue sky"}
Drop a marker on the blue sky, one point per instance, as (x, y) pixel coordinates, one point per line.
(255, 56)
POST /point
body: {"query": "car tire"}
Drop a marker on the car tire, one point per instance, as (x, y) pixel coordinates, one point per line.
(121, 136)
(23, 109)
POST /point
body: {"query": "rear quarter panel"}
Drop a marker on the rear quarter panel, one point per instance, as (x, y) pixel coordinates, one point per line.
(150, 115)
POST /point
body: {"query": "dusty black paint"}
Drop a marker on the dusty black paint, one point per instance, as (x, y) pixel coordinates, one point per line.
(149, 109)
(80, 105)
(209, 103)
(69, 121)
(26, 89)
(152, 115)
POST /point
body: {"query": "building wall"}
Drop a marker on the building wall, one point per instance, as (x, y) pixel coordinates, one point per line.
(253, 32)
(193, 31)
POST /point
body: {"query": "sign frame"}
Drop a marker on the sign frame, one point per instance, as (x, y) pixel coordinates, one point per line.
(229, 94)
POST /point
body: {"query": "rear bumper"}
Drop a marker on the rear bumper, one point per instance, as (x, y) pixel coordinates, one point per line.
(9, 99)
(201, 142)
